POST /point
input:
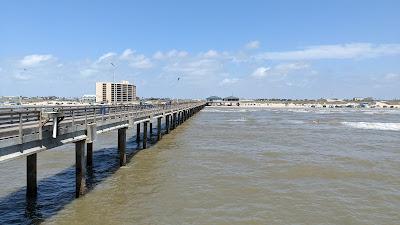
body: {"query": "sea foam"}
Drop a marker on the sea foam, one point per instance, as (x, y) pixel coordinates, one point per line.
(373, 126)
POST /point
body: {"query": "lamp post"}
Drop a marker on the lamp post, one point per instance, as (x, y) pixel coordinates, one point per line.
(115, 86)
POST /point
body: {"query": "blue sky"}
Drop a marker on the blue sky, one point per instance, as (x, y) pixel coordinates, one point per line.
(253, 49)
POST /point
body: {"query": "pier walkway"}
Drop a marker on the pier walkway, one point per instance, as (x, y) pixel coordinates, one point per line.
(24, 132)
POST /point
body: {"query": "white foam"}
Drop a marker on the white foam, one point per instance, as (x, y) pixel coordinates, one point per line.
(295, 121)
(373, 126)
(238, 120)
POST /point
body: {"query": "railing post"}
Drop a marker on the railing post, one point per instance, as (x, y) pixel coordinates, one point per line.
(40, 131)
(21, 135)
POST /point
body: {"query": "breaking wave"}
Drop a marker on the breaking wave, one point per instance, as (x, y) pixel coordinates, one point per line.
(373, 126)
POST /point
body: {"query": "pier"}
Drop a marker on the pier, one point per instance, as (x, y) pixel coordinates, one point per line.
(25, 132)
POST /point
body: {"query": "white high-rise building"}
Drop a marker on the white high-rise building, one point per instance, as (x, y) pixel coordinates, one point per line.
(108, 92)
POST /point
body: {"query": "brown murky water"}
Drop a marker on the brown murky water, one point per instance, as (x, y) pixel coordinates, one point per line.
(228, 166)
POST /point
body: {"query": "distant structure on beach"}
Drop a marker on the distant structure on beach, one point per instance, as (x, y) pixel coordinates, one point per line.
(227, 101)
(304, 103)
(90, 99)
(114, 93)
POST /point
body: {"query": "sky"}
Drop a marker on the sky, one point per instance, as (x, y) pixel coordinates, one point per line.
(250, 49)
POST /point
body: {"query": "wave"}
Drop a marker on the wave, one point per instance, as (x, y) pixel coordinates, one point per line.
(238, 120)
(373, 126)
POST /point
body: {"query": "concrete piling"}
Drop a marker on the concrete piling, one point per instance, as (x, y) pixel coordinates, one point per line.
(138, 133)
(167, 122)
(89, 155)
(145, 135)
(173, 121)
(80, 168)
(31, 175)
(151, 129)
(159, 128)
(122, 146)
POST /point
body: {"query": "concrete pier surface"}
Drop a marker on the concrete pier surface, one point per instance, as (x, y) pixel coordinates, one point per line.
(27, 132)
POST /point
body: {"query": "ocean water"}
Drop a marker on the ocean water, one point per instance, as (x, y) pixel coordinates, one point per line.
(227, 166)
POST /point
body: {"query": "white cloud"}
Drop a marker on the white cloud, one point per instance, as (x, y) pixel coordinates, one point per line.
(108, 55)
(159, 55)
(392, 76)
(228, 81)
(280, 69)
(344, 51)
(261, 72)
(210, 54)
(141, 62)
(252, 45)
(127, 54)
(286, 68)
(34, 60)
(138, 61)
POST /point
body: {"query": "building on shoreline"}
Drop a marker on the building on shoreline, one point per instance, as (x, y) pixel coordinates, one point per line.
(114, 93)
(218, 101)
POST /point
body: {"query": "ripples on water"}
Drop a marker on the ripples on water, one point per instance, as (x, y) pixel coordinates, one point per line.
(229, 166)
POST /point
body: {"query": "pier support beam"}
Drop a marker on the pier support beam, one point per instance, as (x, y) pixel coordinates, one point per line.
(31, 176)
(144, 135)
(80, 168)
(138, 133)
(158, 128)
(89, 155)
(122, 146)
(167, 122)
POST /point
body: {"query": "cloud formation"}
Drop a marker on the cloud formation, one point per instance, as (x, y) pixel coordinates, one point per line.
(206, 71)
(261, 72)
(343, 51)
(35, 60)
(252, 45)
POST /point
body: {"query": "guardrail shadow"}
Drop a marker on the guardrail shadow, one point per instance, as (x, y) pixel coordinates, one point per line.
(58, 190)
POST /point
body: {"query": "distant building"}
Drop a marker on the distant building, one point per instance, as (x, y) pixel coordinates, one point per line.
(214, 101)
(107, 92)
(231, 99)
(88, 98)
